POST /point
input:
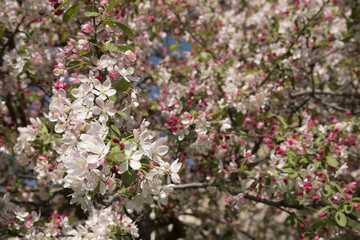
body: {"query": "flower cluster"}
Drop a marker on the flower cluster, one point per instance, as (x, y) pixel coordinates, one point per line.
(251, 105)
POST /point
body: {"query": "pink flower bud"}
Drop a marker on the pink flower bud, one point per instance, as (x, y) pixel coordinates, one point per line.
(260, 125)
(60, 85)
(321, 214)
(352, 185)
(113, 74)
(211, 136)
(87, 28)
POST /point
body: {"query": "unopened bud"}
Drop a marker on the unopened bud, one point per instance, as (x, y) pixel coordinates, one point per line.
(87, 28)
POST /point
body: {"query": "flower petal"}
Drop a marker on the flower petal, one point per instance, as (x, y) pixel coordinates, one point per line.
(137, 156)
(123, 167)
(175, 178)
(175, 166)
(135, 164)
(162, 150)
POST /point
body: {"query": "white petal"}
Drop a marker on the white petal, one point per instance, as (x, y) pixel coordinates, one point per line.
(123, 167)
(135, 164)
(144, 136)
(60, 127)
(169, 188)
(119, 157)
(107, 84)
(111, 92)
(175, 178)
(92, 159)
(158, 159)
(175, 166)
(97, 83)
(96, 110)
(100, 102)
(133, 79)
(76, 92)
(162, 150)
(82, 78)
(163, 199)
(102, 188)
(111, 112)
(137, 156)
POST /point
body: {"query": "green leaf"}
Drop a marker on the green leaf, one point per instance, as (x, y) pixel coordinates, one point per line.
(93, 41)
(348, 207)
(63, 4)
(282, 120)
(339, 188)
(122, 114)
(122, 85)
(113, 98)
(317, 164)
(291, 156)
(71, 12)
(304, 161)
(44, 130)
(124, 47)
(277, 26)
(125, 29)
(287, 169)
(128, 178)
(115, 150)
(195, 48)
(323, 209)
(2, 31)
(340, 218)
(115, 131)
(290, 220)
(91, 14)
(173, 47)
(219, 69)
(333, 162)
(205, 56)
(292, 174)
(112, 5)
(327, 190)
(73, 63)
(110, 47)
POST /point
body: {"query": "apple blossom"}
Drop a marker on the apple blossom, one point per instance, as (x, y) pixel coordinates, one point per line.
(255, 102)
